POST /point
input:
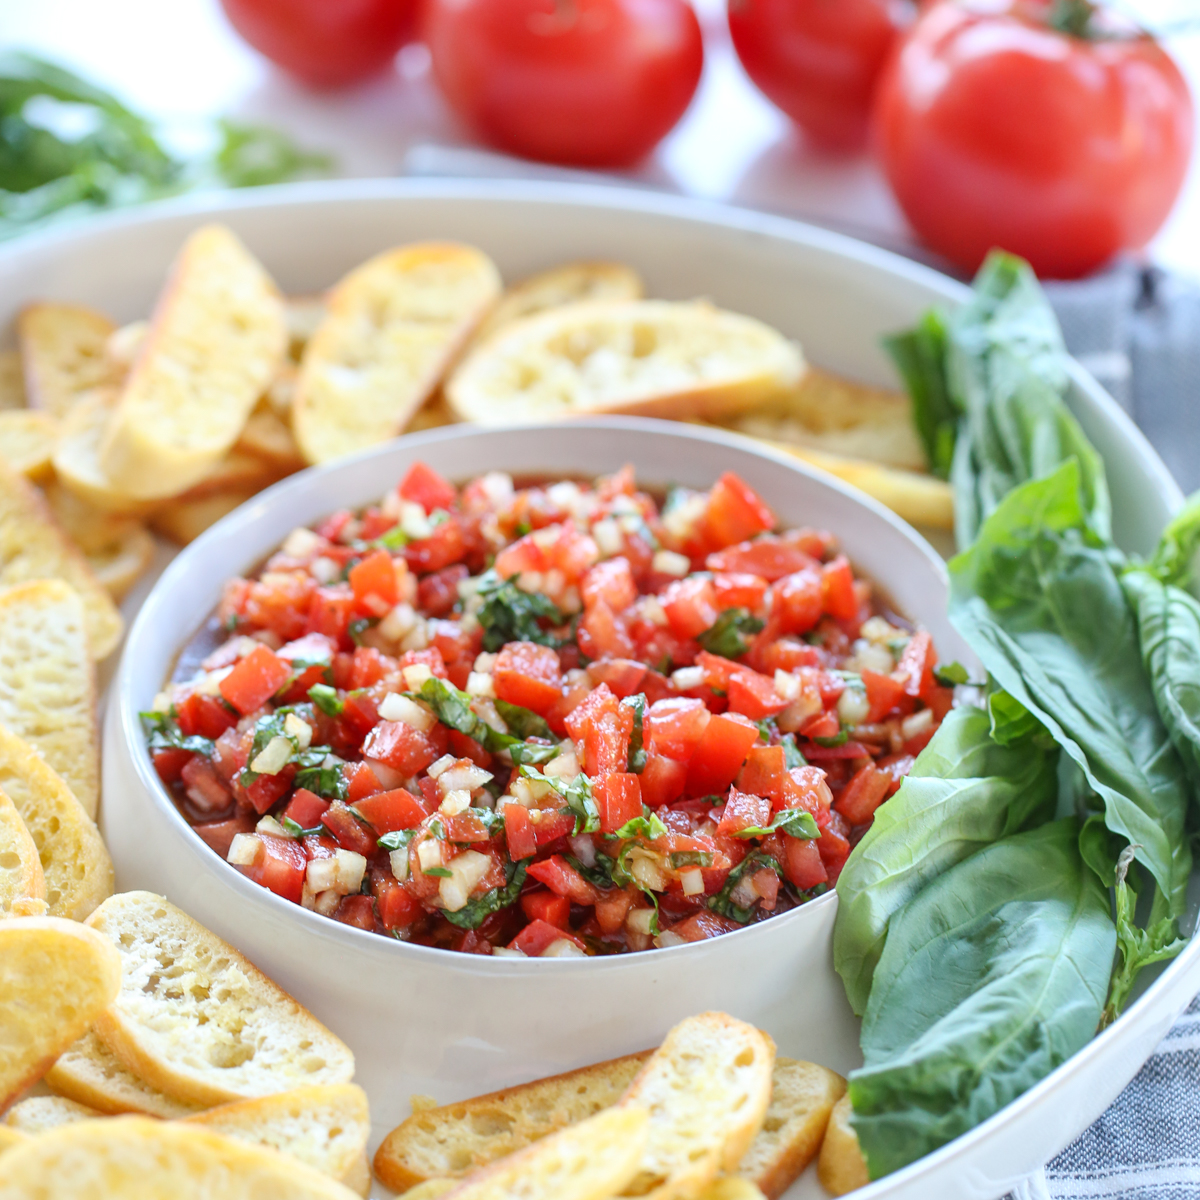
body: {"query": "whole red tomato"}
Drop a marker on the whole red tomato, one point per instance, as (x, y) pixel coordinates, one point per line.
(818, 60)
(999, 126)
(587, 82)
(325, 43)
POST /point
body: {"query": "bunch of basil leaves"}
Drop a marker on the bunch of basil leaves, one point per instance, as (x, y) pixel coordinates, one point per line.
(69, 148)
(1036, 859)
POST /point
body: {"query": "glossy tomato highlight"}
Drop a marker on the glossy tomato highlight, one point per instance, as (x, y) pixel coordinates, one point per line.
(589, 82)
(998, 129)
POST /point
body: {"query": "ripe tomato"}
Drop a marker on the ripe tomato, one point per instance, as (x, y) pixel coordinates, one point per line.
(998, 129)
(592, 82)
(818, 60)
(325, 45)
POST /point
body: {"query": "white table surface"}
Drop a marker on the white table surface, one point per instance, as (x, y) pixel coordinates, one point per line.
(179, 60)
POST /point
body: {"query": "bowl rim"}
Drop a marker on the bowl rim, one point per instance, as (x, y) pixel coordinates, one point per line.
(179, 570)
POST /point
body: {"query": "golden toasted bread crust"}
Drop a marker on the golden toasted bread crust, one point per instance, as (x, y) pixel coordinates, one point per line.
(62, 354)
(841, 1167)
(21, 876)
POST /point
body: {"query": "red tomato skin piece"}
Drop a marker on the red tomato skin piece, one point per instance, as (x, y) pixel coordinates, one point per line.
(675, 727)
(538, 936)
(769, 558)
(361, 782)
(358, 911)
(611, 581)
(802, 863)
(519, 833)
(560, 877)
(282, 867)
(885, 694)
(424, 486)
(662, 780)
(735, 512)
(390, 811)
(219, 835)
(743, 811)
(400, 747)
(618, 799)
(528, 674)
(763, 773)
(170, 763)
(255, 679)
(206, 716)
(374, 582)
(306, 808)
(719, 756)
(546, 906)
(347, 830)
(397, 909)
(866, 791)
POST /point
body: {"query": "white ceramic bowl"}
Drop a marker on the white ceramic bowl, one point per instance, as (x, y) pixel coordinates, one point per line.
(837, 297)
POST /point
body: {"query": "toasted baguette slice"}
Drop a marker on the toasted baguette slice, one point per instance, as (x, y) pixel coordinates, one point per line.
(707, 1088)
(76, 867)
(268, 437)
(216, 338)
(122, 348)
(238, 471)
(841, 1167)
(432, 1189)
(62, 354)
(89, 1073)
(195, 1020)
(11, 1138)
(392, 328)
(802, 1097)
(569, 283)
(48, 682)
(593, 1160)
(119, 566)
(12, 380)
(457, 1138)
(21, 875)
(33, 546)
(183, 521)
(732, 1187)
(136, 1158)
(27, 442)
(325, 1127)
(56, 977)
(433, 414)
(75, 863)
(654, 357)
(89, 527)
(303, 315)
(36, 1114)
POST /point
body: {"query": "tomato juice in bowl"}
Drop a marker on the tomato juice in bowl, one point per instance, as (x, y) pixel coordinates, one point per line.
(550, 718)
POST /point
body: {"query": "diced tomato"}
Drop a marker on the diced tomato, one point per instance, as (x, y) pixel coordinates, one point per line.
(735, 512)
(863, 794)
(675, 727)
(885, 694)
(400, 747)
(797, 602)
(719, 756)
(739, 591)
(431, 794)
(255, 679)
(332, 526)
(462, 746)
(662, 780)
(528, 674)
(601, 633)
(330, 611)
(361, 782)
(397, 908)
(619, 799)
(826, 725)
(205, 788)
(613, 907)
(219, 835)
(538, 936)
(360, 715)
(753, 695)
(560, 877)
(743, 811)
(623, 676)
(430, 657)
(690, 605)
(764, 773)
(546, 906)
(703, 925)
(348, 830)
(369, 666)
(896, 766)
(437, 594)
(834, 847)
(610, 581)
(279, 602)
(281, 868)
(521, 557)
(915, 668)
(519, 833)
(374, 523)
(783, 654)
(467, 827)
(806, 787)
(846, 750)
(306, 808)
(424, 486)
(837, 589)
(802, 864)
(267, 790)
(374, 583)
(205, 715)
(389, 811)
(170, 762)
(769, 558)
(442, 548)
(358, 911)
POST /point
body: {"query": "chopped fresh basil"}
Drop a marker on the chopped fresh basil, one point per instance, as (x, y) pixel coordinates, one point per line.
(646, 826)
(321, 773)
(795, 822)
(691, 858)
(165, 734)
(359, 626)
(601, 875)
(398, 839)
(295, 830)
(577, 794)
(721, 903)
(951, 674)
(438, 872)
(637, 751)
(842, 737)
(791, 752)
(453, 708)
(767, 730)
(726, 636)
(394, 539)
(326, 699)
(511, 615)
(528, 752)
(523, 723)
(475, 912)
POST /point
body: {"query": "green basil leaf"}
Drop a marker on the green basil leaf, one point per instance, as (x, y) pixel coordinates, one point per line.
(727, 634)
(163, 733)
(523, 723)
(795, 822)
(511, 615)
(326, 699)
(476, 911)
(637, 750)
(646, 826)
(398, 839)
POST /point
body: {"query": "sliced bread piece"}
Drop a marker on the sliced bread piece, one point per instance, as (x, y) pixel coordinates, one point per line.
(89, 527)
(183, 521)
(841, 1167)
(267, 436)
(89, 1073)
(11, 1138)
(706, 1088)
(33, 546)
(27, 442)
(569, 283)
(62, 354)
(593, 1160)
(457, 1138)
(137, 1158)
(12, 380)
(392, 328)
(21, 875)
(802, 1097)
(325, 1127)
(75, 864)
(655, 357)
(732, 1187)
(48, 682)
(196, 1020)
(216, 338)
(56, 977)
(36, 1114)
(119, 565)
